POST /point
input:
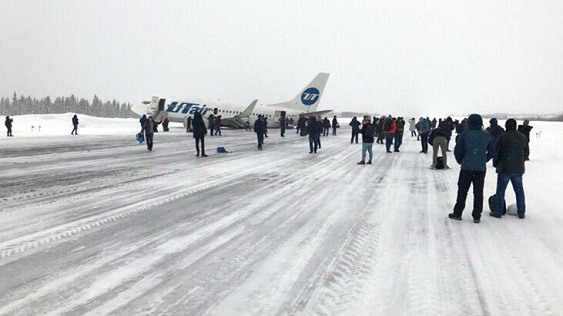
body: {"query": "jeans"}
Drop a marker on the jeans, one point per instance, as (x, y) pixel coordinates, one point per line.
(502, 183)
(313, 142)
(367, 147)
(388, 141)
(466, 178)
(148, 139)
(398, 141)
(424, 141)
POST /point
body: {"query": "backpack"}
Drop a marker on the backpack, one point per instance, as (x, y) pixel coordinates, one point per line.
(493, 203)
(387, 125)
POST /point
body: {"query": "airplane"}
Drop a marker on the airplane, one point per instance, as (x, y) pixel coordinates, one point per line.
(234, 116)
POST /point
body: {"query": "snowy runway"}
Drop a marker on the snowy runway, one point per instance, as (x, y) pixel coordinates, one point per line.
(96, 224)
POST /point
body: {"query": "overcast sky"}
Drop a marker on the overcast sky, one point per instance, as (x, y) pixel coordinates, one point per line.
(401, 57)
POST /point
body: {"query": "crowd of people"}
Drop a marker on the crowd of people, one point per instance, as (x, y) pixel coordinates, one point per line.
(507, 147)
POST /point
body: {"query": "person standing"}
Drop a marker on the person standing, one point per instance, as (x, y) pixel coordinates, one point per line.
(412, 127)
(211, 124)
(399, 134)
(389, 128)
(526, 129)
(509, 161)
(314, 134)
(8, 124)
(326, 126)
(149, 128)
(143, 120)
(423, 132)
(199, 132)
(334, 125)
(282, 125)
(472, 151)
(494, 129)
(355, 129)
(75, 124)
(260, 130)
(367, 139)
(218, 125)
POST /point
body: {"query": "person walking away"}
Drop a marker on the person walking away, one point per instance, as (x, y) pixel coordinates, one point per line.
(399, 134)
(75, 125)
(334, 125)
(8, 124)
(379, 130)
(326, 126)
(355, 129)
(143, 120)
(412, 127)
(509, 161)
(314, 134)
(494, 129)
(148, 128)
(265, 126)
(423, 132)
(199, 132)
(368, 132)
(260, 130)
(525, 129)
(389, 128)
(472, 150)
(438, 140)
(282, 126)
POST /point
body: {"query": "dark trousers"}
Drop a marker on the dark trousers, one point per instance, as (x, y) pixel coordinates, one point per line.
(260, 136)
(148, 139)
(282, 131)
(197, 141)
(74, 130)
(466, 178)
(424, 142)
(313, 143)
(354, 136)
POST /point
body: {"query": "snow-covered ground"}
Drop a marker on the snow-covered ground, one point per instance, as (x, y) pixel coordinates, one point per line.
(95, 224)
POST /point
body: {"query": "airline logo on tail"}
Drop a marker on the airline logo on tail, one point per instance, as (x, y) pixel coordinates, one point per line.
(310, 96)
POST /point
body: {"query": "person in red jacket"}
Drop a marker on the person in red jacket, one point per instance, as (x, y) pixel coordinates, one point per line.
(389, 128)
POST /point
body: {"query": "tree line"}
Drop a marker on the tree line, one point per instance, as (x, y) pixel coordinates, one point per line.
(27, 105)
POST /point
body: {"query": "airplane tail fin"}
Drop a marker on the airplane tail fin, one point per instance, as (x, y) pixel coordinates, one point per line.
(309, 98)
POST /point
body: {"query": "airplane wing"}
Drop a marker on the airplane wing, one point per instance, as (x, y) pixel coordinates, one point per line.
(237, 120)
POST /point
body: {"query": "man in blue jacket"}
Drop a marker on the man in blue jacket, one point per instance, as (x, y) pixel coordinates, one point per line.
(472, 151)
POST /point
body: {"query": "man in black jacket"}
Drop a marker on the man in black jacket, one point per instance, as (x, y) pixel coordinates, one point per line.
(367, 132)
(511, 152)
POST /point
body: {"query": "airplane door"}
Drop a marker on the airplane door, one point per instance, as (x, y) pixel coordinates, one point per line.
(161, 103)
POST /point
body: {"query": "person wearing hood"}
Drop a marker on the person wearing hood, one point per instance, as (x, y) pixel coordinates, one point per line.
(473, 149)
(355, 129)
(511, 152)
(143, 120)
(494, 129)
(199, 132)
(8, 124)
(525, 129)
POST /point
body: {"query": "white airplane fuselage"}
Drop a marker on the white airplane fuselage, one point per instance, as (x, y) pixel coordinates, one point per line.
(235, 115)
